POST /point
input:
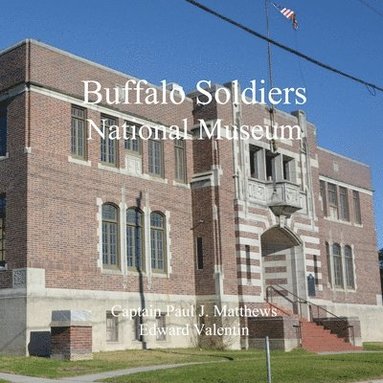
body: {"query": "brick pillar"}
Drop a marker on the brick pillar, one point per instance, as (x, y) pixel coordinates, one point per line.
(71, 335)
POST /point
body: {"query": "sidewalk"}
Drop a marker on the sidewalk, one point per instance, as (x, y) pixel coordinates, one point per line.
(108, 374)
(93, 377)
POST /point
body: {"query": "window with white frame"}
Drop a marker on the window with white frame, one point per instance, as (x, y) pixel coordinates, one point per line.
(349, 267)
(180, 160)
(357, 211)
(340, 261)
(110, 235)
(134, 239)
(109, 146)
(344, 212)
(133, 141)
(332, 200)
(78, 132)
(156, 157)
(157, 241)
(338, 265)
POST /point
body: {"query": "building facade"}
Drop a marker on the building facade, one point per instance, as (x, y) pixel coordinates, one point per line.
(110, 226)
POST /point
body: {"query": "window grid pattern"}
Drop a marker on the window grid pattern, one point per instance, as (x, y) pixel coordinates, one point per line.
(343, 202)
(134, 239)
(157, 240)
(155, 157)
(3, 130)
(2, 227)
(332, 200)
(338, 266)
(357, 212)
(349, 267)
(78, 132)
(108, 146)
(110, 239)
(180, 160)
(132, 143)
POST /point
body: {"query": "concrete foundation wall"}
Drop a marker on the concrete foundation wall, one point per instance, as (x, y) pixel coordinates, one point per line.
(13, 321)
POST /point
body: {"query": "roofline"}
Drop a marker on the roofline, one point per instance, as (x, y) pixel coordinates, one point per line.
(344, 157)
(82, 59)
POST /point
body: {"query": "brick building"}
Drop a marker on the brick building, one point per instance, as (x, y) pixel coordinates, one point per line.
(99, 224)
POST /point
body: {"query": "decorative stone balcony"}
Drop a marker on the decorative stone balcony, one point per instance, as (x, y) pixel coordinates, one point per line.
(283, 198)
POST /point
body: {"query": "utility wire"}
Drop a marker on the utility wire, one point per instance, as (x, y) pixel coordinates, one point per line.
(285, 47)
(373, 9)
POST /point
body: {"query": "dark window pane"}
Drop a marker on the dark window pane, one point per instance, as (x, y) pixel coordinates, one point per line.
(3, 130)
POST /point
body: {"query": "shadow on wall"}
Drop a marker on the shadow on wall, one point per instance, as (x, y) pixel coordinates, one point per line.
(40, 343)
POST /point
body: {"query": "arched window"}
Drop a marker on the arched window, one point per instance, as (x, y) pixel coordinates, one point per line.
(110, 241)
(338, 267)
(157, 241)
(349, 266)
(134, 238)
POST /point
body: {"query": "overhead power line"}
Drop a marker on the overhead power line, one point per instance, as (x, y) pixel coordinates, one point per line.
(373, 9)
(314, 61)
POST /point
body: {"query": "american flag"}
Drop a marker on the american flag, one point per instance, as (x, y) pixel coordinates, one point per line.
(288, 13)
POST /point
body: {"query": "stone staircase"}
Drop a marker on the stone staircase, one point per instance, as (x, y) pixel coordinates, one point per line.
(316, 338)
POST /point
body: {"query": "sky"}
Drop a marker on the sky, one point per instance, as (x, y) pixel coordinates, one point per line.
(172, 40)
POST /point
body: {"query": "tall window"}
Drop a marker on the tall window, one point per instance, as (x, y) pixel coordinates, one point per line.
(3, 130)
(199, 246)
(328, 259)
(349, 267)
(155, 157)
(323, 196)
(157, 240)
(110, 248)
(338, 268)
(161, 327)
(111, 327)
(357, 212)
(256, 162)
(78, 132)
(2, 227)
(132, 142)
(288, 168)
(108, 146)
(270, 165)
(134, 224)
(332, 200)
(180, 160)
(344, 211)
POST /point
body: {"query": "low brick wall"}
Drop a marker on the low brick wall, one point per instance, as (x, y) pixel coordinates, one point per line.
(283, 332)
(71, 335)
(345, 328)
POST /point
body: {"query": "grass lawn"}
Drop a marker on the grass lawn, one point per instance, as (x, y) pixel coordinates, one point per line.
(106, 361)
(373, 346)
(225, 367)
(297, 366)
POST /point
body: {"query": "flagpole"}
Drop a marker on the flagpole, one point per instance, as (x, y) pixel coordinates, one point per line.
(273, 147)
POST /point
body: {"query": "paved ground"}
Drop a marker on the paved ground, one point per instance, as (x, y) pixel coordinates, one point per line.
(103, 375)
(94, 377)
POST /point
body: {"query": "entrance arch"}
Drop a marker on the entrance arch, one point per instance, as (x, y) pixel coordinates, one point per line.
(282, 263)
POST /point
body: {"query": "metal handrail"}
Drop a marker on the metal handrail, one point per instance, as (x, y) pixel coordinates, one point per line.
(301, 301)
